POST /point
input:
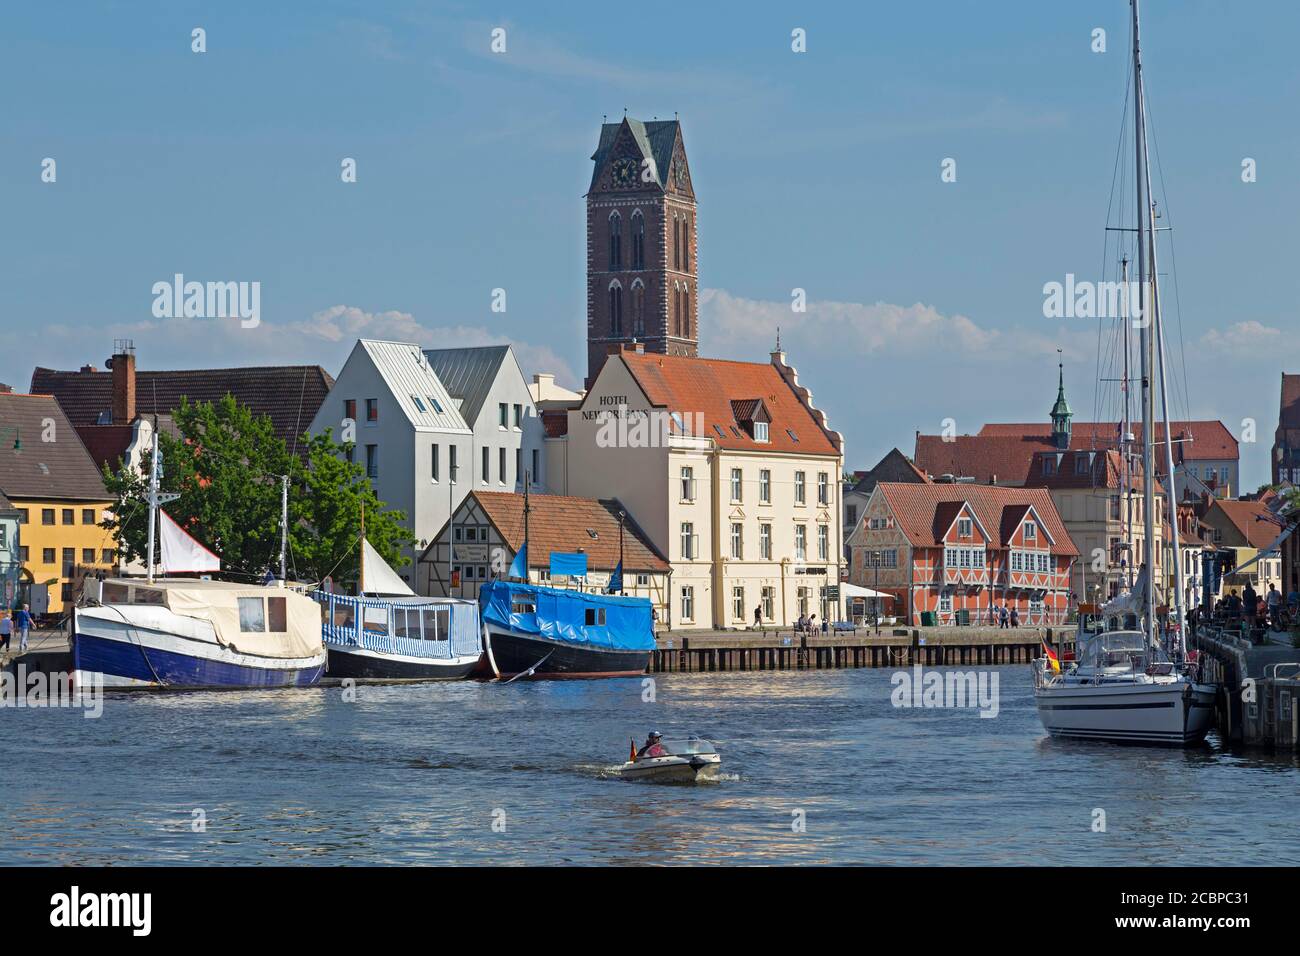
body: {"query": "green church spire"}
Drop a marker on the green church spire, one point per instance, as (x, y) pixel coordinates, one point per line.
(1061, 414)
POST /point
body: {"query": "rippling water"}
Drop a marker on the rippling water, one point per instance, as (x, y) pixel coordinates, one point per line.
(419, 773)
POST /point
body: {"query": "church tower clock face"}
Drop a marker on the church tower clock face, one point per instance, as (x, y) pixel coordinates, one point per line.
(623, 173)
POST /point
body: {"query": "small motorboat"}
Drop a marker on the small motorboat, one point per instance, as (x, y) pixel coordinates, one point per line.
(683, 761)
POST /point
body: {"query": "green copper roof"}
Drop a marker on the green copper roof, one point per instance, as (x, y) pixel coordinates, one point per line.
(1062, 408)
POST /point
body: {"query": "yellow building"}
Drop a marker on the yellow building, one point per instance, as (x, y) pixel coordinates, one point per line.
(53, 484)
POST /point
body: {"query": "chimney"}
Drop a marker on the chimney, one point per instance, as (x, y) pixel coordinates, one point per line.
(123, 366)
(544, 379)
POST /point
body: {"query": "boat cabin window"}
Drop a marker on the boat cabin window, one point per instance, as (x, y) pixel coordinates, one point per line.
(345, 615)
(595, 617)
(147, 596)
(252, 614)
(374, 618)
(437, 623)
(116, 594)
(406, 623)
(277, 614)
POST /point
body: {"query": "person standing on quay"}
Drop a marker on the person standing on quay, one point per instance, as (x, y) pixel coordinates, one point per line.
(5, 629)
(24, 626)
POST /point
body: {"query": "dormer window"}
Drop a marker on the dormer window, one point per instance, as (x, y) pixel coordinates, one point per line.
(1031, 531)
(963, 527)
(1081, 463)
(760, 431)
(1049, 464)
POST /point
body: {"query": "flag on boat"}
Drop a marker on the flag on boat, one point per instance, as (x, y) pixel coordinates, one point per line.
(519, 566)
(615, 580)
(1052, 658)
(182, 554)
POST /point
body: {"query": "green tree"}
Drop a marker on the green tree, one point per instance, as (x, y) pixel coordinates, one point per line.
(226, 466)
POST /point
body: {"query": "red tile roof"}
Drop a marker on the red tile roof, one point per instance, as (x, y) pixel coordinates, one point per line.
(708, 387)
(919, 508)
(1245, 516)
(984, 458)
(290, 394)
(1105, 470)
(1206, 439)
(1007, 450)
(562, 523)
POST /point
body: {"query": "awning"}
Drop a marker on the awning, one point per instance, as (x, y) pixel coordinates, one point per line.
(853, 590)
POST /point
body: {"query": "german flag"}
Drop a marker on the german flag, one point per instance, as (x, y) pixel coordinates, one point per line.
(1052, 659)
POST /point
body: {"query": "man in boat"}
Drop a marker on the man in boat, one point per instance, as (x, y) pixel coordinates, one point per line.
(652, 746)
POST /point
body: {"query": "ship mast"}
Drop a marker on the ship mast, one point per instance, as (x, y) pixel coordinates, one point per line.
(1153, 359)
(1145, 340)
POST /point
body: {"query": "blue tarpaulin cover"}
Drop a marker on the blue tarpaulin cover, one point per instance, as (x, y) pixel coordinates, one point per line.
(565, 564)
(561, 615)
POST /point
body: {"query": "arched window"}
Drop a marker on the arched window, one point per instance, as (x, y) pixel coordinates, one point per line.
(615, 308)
(686, 310)
(638, 307)
(677, 243)
(686, 244)
(638, 240)
(615, 241)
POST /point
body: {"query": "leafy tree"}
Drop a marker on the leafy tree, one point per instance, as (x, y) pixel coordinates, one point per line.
(226, 466)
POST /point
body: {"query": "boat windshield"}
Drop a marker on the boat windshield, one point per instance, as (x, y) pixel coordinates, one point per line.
(689, 745)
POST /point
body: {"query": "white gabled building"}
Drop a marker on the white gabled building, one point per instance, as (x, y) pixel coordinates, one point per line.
(493, 398)
(408, 433)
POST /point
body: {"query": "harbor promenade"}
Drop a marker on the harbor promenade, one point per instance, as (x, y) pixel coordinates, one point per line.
(893, 646)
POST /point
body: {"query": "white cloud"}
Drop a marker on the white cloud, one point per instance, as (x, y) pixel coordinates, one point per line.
(858, 328)
(1244, 339)
(325, 338)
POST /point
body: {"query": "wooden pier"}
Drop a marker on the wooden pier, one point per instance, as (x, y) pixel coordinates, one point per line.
(1259, 702)
(685, 652)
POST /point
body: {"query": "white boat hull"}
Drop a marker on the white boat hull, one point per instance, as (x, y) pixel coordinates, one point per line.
(149, 646)
(673, 769)
(1177, 713)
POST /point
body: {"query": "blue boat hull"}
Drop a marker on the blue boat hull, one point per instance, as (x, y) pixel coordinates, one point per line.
(160, 668)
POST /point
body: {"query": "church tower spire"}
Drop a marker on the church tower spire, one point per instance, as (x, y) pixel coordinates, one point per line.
(642, 263)
(1061, 414)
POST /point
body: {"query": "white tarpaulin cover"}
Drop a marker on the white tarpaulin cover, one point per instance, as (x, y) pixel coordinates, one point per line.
(379, 578)
(295, 635)
(181, 554)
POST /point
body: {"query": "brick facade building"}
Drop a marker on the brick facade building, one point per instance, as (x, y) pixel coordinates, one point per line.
(642, 279)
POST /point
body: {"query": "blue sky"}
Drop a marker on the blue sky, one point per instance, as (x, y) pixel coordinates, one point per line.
(817, 171)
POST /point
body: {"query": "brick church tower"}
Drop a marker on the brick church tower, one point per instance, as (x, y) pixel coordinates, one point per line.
(641, 253)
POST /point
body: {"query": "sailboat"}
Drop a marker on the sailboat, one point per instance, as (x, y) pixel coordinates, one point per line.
(1131, 680)
(387, 632)
(192, 632)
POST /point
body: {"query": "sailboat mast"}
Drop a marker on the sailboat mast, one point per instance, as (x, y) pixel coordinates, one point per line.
(527, 508)
(1145, 339)
(153, 503)
(284, 525)
(361, 578)
(1125, 438)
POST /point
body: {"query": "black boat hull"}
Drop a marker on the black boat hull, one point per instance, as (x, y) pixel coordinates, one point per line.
(515, 653)
(345, 664)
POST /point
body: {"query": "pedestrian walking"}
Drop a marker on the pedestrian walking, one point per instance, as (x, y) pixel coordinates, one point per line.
(6, 629)
(24, 623)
